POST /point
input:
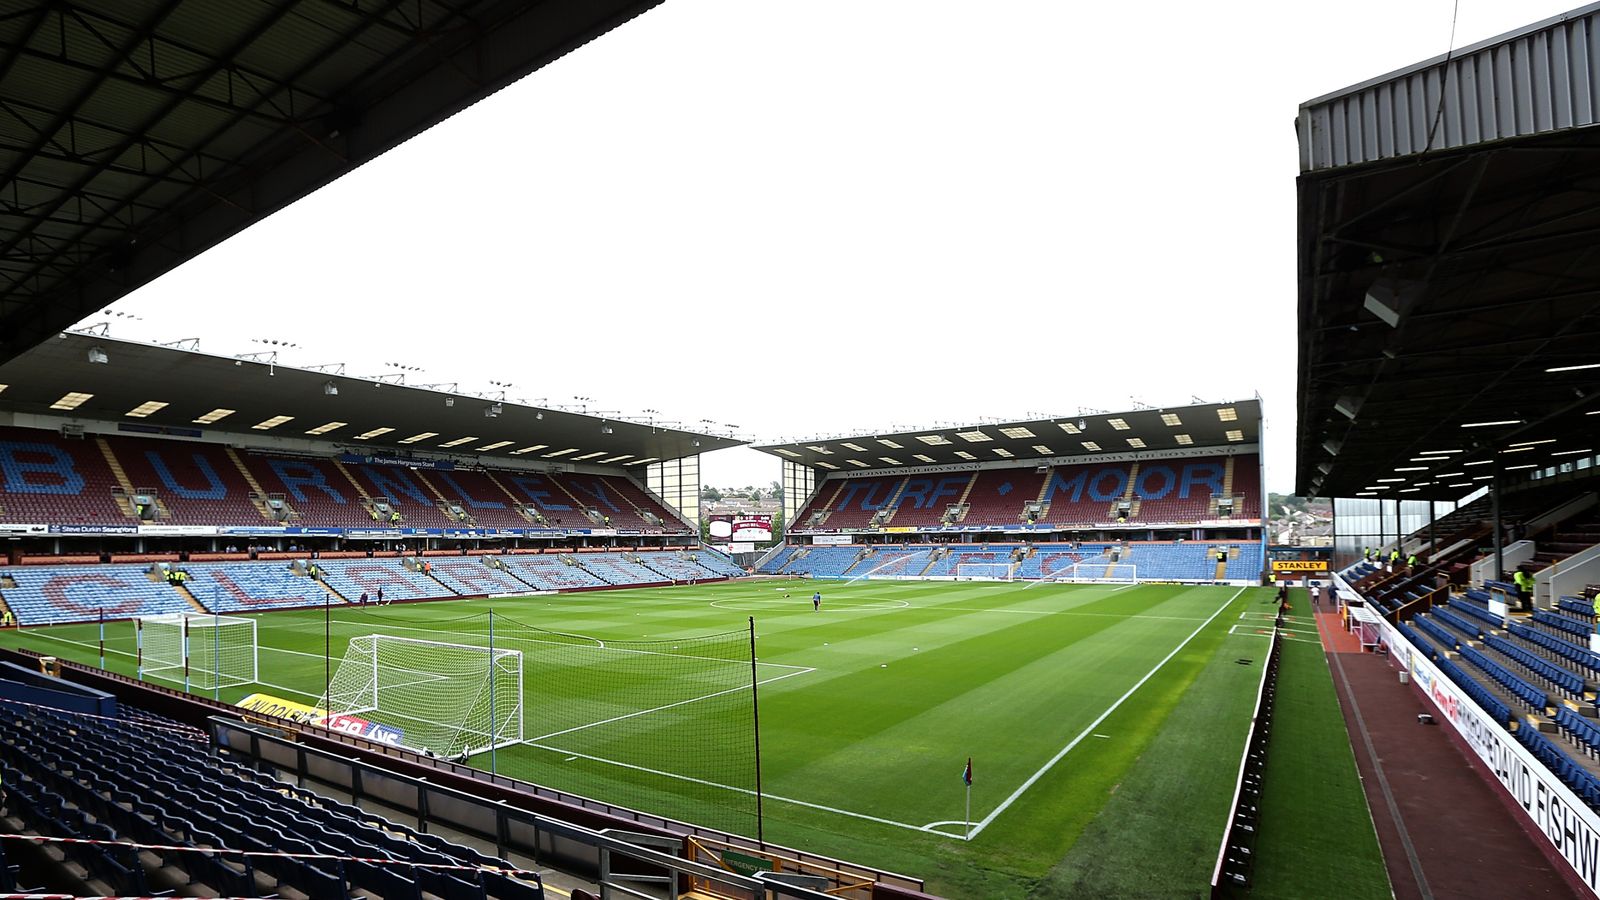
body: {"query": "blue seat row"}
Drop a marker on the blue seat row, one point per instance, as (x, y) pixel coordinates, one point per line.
(1436, 631)
(1577, 607)
(1480, 695)
(1477, 612)
(1581, 780)
(1567, 624)
(1511, 681)
(1579, 728)
(1580, 656)
(168, 790)
(1468, 628)
(1557, 676)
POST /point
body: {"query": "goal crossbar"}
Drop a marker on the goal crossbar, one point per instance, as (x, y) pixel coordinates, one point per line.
(984, 571)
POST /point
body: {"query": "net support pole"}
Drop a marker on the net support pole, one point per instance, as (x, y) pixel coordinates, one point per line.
(494, 731)
(185, 646)
(755, 709)
(216, 655)
(327, 642)
(102, 638)
(138, 649)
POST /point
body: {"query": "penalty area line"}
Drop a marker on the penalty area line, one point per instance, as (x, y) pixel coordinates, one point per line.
(1034, 778)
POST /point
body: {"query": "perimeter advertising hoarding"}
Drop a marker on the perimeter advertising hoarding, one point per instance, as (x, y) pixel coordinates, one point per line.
(744, 527)
(1562, 820)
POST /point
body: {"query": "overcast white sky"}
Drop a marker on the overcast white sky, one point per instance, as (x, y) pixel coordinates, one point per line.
(825, 216)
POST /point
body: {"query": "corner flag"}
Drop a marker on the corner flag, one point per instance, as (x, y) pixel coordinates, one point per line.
(966, 776)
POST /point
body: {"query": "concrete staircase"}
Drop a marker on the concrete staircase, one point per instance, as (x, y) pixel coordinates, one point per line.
(258, 495)
(521, 506)
(366, 499)
(443, 503)
(878, 518)
(125, 499)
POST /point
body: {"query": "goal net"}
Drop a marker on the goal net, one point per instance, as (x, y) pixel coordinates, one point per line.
(1094, 573)
(201, 652)
(992, 571)
(445, 699)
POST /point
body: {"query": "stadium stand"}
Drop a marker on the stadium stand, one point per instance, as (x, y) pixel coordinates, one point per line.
(551, 572)
(823, 562)
(318, 492)
(247, 587)
(1049, 560)
(618, 569)
(853, 502)
(716, 563)
(924, 499)
(999, 495)
(679, 567)
(898, 560)
(780, 559)
(352, 577)
(49, 479)
(143, 780)
(473, 575)
(951, 558)
(195, 483)
(406, 491)
(81, 593)
(480, 496)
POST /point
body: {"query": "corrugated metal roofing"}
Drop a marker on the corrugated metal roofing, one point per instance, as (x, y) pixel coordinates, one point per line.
(1538, 79)
(135, 134)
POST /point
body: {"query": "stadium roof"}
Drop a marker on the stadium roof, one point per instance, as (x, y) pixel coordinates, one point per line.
(138, 133)
(257, 395)
(1449, 300)
(1209, 425)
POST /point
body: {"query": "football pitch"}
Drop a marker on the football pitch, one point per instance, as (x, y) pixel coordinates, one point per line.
(1062, 696)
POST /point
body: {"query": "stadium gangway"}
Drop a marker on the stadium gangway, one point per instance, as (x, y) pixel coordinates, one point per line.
(268, 744)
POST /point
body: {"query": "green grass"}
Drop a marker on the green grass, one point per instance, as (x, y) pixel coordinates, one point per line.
(1316, 829)
(869, 711)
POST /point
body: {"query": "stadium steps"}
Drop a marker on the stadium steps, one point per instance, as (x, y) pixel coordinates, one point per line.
(1044, 488)
(965, 493)
(366, 499)
(859, 560)
(1222, 567)
(125, 500)
(190, 598)
(933, 557)
(1227, 489)
(587, 510)
(258, 494)
(827, 508)
(893, 505)
(444, 504)
(519, 505)
(3, 607)
(1127, 496)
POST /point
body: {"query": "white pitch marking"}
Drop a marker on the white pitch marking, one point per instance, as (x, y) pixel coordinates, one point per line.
(729, 787)
(1034, 778)
(641, 712)
(1106, 736)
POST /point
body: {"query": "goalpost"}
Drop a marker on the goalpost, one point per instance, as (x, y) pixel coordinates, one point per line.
(1098, 573)
(986, 571)
(204, 652)
(446, 699)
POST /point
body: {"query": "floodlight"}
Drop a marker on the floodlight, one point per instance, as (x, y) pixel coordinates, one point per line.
(98, 355)
(331, 389)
